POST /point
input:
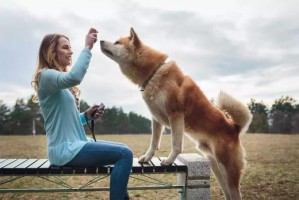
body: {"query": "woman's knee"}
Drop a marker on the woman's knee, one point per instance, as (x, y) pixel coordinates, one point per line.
(127, 153)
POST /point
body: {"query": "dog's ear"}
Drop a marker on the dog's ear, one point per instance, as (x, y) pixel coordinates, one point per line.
(134, 38)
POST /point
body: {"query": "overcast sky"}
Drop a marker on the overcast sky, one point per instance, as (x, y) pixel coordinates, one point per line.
(248, 48)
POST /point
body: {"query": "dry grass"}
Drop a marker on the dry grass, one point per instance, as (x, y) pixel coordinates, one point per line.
(272, 170)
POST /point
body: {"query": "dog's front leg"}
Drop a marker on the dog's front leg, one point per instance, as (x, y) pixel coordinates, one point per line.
(157, 129)
(177, 126)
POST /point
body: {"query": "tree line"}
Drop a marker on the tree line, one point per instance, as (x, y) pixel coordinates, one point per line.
(282, 117)
(25, 118)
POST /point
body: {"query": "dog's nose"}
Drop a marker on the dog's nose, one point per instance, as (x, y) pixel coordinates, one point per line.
(102, 42)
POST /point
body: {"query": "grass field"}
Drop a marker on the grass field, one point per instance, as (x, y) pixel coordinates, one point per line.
(272, 169)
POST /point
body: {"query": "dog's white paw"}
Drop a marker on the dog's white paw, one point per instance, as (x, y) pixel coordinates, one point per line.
(145, 158)
(166, 162)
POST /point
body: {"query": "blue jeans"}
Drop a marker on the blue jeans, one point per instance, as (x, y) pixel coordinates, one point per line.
(108, 153)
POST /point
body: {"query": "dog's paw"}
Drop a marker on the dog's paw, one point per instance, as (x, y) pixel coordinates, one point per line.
(166, 162)
(145, 158)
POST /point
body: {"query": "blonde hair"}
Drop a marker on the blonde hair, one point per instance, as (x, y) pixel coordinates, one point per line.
(48, 59)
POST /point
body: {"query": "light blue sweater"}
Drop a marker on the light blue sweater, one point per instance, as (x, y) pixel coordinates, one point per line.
(63, 122)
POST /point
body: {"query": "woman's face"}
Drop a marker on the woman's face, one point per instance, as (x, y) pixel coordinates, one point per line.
(64, 52)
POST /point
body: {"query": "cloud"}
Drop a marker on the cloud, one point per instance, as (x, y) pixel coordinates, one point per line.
(248, 49)
(265, 85)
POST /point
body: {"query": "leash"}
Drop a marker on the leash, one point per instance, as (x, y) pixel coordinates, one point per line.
(91, 128)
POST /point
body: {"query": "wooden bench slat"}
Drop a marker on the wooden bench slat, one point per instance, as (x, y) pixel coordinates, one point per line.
(46, 168)
(45, 165)
(6, 162)
(10, 168)
(22, 168)
(136, 167)
(34, 168)
(180, 167)
(14, 164)
(26, 164)
(147, 167)
(157, 162)
(38, 163)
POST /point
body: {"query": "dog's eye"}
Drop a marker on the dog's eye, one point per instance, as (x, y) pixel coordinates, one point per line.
(117, 42)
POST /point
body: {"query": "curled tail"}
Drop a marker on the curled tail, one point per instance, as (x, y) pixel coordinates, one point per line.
(237, 110)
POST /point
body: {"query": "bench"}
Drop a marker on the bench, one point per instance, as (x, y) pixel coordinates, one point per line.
(192, 170)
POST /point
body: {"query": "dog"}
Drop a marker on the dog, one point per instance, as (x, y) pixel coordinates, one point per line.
(176, 102)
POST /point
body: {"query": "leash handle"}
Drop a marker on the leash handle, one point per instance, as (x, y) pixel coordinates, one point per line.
(92, 126)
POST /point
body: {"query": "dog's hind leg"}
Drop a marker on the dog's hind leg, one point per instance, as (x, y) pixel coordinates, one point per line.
(177, 126)
(227, 167)
(221, 176)
(157, 129)
(234, 167)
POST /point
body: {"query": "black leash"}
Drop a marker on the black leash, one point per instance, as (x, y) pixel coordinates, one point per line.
(92, 126)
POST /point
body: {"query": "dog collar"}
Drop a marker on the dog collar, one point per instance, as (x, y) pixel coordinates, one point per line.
(151, 76)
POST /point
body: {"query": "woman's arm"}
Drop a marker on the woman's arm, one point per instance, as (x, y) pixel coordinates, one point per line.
(52, 80)
(77, 72)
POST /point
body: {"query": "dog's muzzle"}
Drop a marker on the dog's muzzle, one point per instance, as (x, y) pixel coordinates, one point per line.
(104, 50)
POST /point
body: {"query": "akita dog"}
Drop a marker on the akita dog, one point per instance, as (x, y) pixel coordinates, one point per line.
(175, 101)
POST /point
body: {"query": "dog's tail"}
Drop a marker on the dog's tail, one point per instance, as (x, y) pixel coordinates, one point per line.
(237, 110)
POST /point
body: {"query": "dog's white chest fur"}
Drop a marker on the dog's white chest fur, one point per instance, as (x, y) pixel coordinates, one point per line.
(156, 102)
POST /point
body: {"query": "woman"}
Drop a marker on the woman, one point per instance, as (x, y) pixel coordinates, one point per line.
(58, 97)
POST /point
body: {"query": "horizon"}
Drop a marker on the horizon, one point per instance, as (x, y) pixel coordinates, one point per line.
(268, 106)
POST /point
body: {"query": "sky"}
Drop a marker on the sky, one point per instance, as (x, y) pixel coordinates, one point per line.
(247, 48)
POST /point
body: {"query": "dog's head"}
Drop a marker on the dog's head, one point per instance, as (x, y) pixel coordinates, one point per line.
(135, 59)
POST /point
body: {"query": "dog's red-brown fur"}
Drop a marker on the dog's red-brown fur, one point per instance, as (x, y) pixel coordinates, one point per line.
(175, 101)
